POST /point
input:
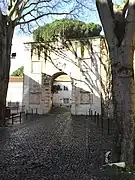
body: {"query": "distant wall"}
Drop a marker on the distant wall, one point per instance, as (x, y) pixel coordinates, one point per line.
(15, 90)
(63, 96)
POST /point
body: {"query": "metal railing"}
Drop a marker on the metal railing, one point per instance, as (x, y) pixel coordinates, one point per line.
(105, 124)
(14, 118)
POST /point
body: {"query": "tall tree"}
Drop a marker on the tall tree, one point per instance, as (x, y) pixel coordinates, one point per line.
(119, 27)
(67, 29)
(20, 13)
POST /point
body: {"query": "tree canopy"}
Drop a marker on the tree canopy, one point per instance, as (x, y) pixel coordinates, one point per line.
(18, 72)
(67, 29)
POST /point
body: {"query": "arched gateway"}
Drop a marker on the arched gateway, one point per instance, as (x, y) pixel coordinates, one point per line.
(80, 61)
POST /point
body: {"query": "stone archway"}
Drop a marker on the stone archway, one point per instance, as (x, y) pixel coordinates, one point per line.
(38, 98)
(54, 76)
(61, 90)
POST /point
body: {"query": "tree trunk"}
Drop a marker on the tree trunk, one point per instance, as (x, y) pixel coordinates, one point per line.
(123, 100)
(119, 30)
(6, 34)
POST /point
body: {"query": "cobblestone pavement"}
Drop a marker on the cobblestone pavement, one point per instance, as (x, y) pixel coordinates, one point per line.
(54, 147)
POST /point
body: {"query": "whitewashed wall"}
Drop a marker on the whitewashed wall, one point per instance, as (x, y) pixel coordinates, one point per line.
(15, 92)
(84, 72)
(58, 98)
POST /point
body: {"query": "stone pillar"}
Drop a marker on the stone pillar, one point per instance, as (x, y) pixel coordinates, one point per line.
(73, 105)
(45, 103)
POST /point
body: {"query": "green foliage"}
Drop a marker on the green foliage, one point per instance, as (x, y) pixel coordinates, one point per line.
(67, 29)
(18, 72)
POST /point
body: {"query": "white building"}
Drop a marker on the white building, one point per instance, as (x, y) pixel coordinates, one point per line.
(63, 96)
(79, 59)
(15, 94)
(15, 90)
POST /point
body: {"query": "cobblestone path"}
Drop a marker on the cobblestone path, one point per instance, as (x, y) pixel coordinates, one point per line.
(55, 147)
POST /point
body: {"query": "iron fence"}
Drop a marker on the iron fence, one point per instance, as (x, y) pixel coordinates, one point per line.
(106, 124)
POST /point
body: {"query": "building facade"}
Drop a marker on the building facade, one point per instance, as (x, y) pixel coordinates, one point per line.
(62, 95)
(81, 60)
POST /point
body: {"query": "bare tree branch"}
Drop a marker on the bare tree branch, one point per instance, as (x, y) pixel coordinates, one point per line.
(32, 11)
(40, 16)
(15, 4)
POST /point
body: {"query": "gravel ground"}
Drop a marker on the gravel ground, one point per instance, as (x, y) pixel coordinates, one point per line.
(54, 147)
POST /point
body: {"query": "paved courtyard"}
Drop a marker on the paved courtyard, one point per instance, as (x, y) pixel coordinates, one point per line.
(57, 146)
